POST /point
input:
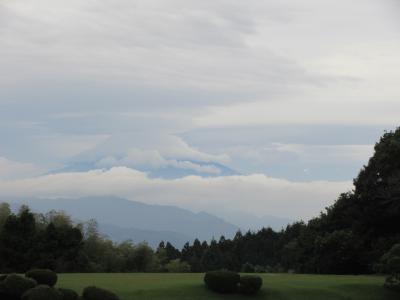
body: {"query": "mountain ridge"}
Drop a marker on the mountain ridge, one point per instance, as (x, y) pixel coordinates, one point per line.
(138, 217)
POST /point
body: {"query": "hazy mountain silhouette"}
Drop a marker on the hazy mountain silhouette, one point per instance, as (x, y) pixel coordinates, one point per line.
(124, 219)
(152, 237)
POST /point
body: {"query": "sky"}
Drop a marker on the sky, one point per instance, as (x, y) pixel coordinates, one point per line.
(110, 97)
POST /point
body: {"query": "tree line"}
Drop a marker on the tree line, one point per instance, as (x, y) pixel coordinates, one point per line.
(349, 237)
(52, 241)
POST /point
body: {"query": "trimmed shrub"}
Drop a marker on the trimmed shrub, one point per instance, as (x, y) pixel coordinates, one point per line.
(3, 277)
(42, 292)
(4, 295)
(68, 294)
(43, 276)
(222, 281)
(390, 261)
(16, 285)
(393, 282)
(393, 265)
(250, 285)
(3, 291)
(95, 293)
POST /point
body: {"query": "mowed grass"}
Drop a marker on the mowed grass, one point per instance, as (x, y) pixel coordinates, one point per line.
(190, 286)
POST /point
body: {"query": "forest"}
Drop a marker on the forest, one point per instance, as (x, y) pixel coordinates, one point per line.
(358, 234)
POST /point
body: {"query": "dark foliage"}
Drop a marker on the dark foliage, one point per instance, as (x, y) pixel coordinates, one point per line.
(248, 268)
(3, 277)
(390, 261)
(95, 293)
(43, 276)
(250, 285)
(17, 242)
(68, 294)
(55, 243)
(222, 281)
(15, 285)
(3, 291)
(26, 243)
(350, 237)
(42, 292)
(393, 282)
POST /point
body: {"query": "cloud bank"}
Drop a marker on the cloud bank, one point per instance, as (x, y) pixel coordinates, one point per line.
(256, 194)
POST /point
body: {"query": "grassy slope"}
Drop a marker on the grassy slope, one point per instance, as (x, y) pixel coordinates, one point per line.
(190, 286)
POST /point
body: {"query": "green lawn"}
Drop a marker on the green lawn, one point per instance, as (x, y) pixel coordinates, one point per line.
(190, 286)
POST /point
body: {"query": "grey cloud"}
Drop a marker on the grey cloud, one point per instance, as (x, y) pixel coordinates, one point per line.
(77, 72)
(11, 170)
(264, 195)
(152, 159)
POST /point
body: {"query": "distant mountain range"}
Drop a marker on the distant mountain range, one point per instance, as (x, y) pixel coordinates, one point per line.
(122, 219)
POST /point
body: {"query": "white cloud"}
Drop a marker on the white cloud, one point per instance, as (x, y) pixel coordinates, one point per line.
(320, 153)
(64, 146)
(322, 110)
(257, 194)
(13, 169)
(150, 147)
(153, 159)
(193, 166)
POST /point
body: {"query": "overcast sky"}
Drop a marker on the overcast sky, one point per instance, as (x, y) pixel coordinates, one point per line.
(290, 94)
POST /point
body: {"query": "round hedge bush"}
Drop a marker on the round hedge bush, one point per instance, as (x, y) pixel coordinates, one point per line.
(42, 292)
(43, 276)
(68, 294)
(250, 285)
(393, 282)
(222, 281)
(3, 277)
(3, 291)
(16, 285)
(95, 293)
(393, 265)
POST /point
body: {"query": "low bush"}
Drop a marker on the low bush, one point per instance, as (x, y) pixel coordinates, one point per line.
(393, 282)
(3, 277)
(393, 265)
(42, 292)
(390, 261)
(250, 285)
(43, 276)
(3, 291)
(95, 293)
(16, 285)
(222, 281)
(68, 294)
